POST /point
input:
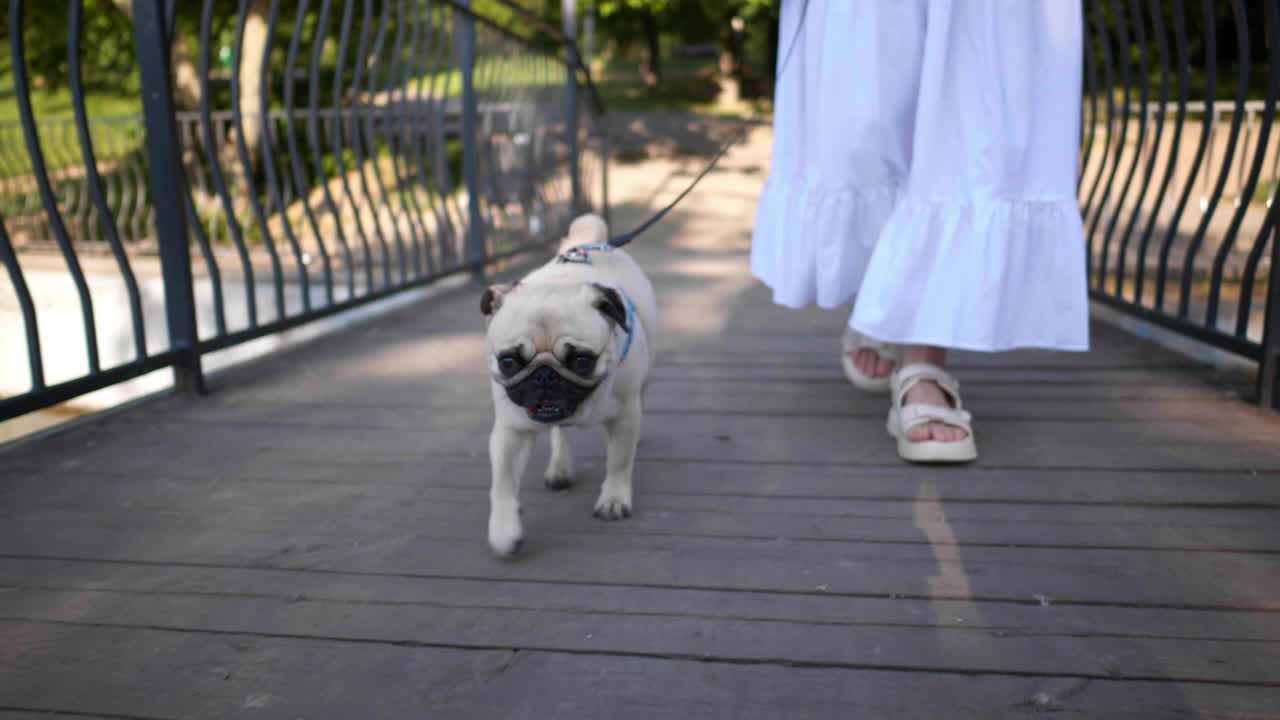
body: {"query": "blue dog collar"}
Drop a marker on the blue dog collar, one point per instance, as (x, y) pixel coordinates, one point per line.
(631, 327)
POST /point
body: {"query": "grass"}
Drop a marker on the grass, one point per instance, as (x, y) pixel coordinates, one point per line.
(54, 112)
(495, 74)
(56, 102)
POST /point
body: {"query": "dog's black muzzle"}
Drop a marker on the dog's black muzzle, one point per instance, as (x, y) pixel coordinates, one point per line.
(547, 396)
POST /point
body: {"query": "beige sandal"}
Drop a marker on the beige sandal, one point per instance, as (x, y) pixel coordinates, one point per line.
(905, 417)
(854, 341)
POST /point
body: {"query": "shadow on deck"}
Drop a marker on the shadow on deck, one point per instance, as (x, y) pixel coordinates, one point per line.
(309, 540)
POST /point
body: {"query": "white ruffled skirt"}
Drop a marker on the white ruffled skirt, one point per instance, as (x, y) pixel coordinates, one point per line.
(924, 166)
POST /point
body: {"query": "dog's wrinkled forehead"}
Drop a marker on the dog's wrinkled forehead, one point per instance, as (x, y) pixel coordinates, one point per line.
(542, 315)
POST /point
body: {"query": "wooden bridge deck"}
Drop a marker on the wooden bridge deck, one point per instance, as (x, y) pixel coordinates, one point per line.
(308, 541)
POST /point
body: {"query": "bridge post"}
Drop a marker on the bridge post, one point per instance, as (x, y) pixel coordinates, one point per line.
(150, 27)
(465, 35)
(569, 15)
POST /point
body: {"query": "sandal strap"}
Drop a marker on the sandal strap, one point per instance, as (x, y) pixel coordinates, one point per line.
(911, 375)
(915, 415)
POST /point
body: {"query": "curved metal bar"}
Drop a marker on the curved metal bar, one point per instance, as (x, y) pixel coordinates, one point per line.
(94, 180)
(255, 203)
(495, 97)
(392, 119)
(1123, 36)
(117, 185)
(66, 162)
(301, 182)
(22, 91)
(317, 148)
(30, 324)
(1162, 43)
(451, 200)
(1250, 273)
(1264, 134)
(373, 115)
(210, 262)
(517, 180)
(1211, 85)
(1140, 34)
(402, 155)
(269, 156)
(337, 131)
(420, 124)
(1247, 279)
(417, 132)
(1193, 248)
(447, 239)
(1104, 35)
(187, 137)
(138, 214)
(357, 86)
(215, 167)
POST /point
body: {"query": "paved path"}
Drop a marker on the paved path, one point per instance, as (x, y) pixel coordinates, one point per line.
(308, 542)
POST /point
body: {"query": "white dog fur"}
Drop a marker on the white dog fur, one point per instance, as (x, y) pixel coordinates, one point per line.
(566, 305)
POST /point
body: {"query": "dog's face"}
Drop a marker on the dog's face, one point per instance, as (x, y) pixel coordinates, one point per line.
(550, 346)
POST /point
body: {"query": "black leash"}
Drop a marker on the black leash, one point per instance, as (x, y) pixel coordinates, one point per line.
(618, 241)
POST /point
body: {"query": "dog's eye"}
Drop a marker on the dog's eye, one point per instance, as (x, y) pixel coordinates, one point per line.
(509, 364)
(583, 363)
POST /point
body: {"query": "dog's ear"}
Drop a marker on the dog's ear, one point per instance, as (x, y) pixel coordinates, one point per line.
(610, 304)
(491, 300)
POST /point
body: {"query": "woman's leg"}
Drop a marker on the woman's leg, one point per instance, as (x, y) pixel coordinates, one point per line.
(985, 250)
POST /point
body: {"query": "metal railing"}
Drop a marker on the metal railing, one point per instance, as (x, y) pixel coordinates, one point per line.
(1179, 170)
(386, 145)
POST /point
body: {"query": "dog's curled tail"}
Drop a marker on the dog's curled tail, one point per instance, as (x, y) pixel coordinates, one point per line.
(588, 229)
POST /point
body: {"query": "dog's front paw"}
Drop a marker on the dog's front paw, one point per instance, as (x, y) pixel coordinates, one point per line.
(558, 480)
(505, 533)
(612, 506)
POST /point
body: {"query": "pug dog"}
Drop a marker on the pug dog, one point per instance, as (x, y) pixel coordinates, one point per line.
(570, 344)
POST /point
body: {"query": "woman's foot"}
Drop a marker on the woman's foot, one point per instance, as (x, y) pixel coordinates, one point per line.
(872, 364)
(927, 392)
(868, 363)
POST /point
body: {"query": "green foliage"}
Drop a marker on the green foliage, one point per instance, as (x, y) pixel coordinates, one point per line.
(610, 8)
(107, 53)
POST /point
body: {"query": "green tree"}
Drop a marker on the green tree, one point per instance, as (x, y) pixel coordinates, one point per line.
(619, 19)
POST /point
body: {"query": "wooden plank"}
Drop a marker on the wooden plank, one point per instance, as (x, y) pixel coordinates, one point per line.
(1173, 445)
(782, 398)
(926, 649)
(390, 491)
(389, 590)
(767, 481)
(400, 508)
(460, 392)
(174, 674)
(613, 555)
(30, 714)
